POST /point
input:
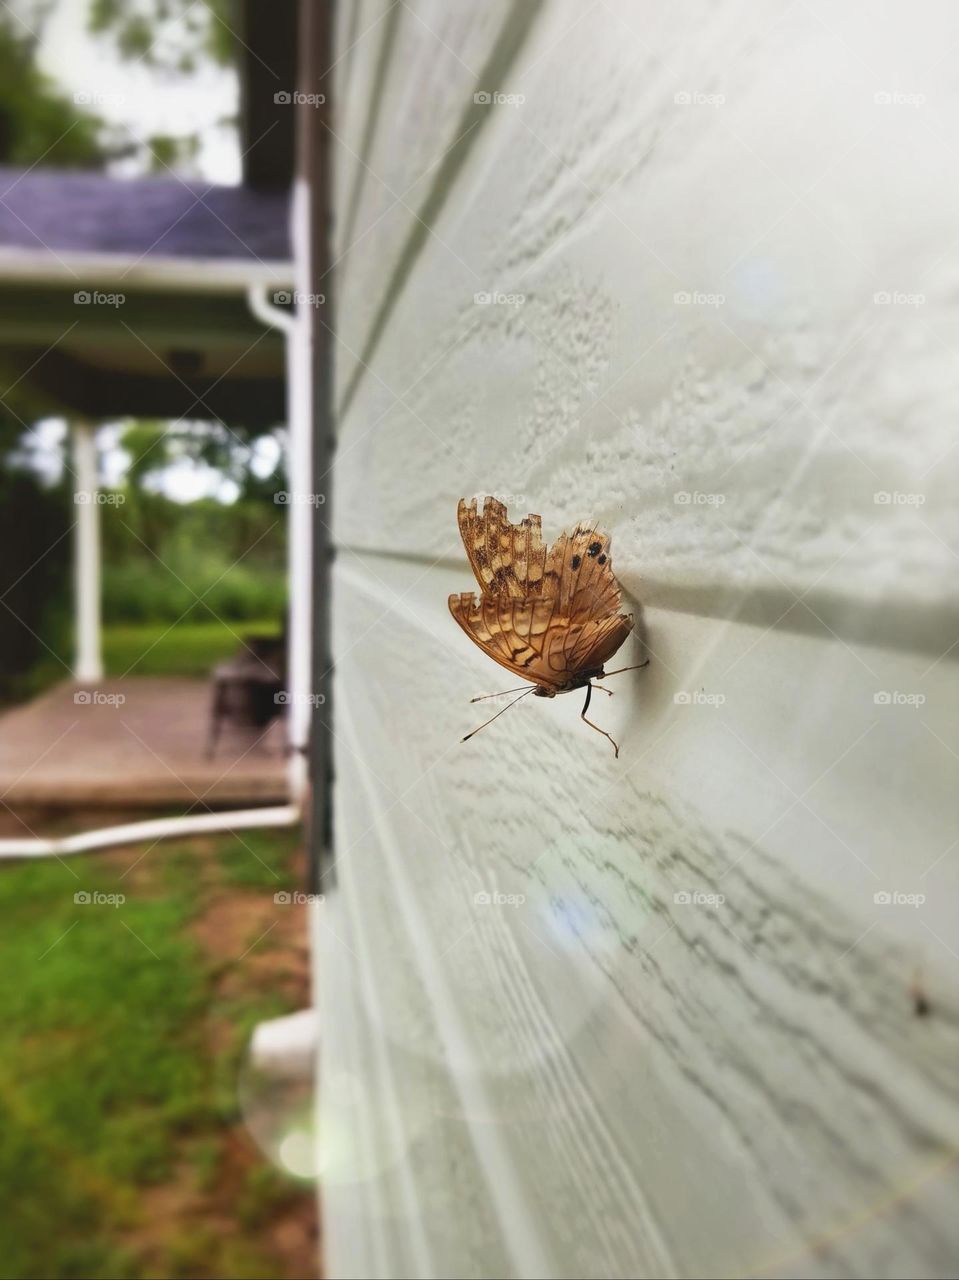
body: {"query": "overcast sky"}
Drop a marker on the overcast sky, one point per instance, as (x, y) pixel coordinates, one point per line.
(131, 95)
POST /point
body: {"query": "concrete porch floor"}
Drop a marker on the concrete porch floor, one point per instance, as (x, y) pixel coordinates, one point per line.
(136, 742)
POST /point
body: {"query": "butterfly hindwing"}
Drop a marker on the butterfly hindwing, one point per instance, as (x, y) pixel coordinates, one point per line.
(515, 633)
(595, 642)
(525, 637)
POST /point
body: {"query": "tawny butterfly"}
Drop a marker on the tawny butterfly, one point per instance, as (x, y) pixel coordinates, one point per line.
(552, 617)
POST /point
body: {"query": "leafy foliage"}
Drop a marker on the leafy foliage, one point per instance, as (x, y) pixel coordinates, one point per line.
(199, 561)
(171, 35)
(36, 119)
(34, 580)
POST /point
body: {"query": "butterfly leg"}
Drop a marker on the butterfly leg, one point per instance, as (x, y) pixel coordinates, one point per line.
(619, 670)
(589, 690)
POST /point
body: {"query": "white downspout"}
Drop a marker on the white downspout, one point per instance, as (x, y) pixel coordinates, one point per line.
(88, 659)
(299, 527)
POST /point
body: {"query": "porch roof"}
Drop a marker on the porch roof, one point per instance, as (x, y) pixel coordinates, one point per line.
(127, 297)
(66, 212)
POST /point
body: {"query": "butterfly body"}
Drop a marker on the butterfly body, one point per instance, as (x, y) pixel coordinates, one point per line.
(551, 616)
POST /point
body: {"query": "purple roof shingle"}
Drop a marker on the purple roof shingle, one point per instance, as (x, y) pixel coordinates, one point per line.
(75, 212)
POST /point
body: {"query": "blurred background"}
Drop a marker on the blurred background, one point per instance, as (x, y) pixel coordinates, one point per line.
(143, 521)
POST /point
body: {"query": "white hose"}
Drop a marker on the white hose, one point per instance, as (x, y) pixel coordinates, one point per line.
(151, 829)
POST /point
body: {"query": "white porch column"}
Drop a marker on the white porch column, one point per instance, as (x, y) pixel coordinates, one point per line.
(88, 661)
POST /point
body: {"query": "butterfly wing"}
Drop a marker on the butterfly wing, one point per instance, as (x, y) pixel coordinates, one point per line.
(594, 642)
(507, 559)
(514, 633)
(531, 640)
(579, 572)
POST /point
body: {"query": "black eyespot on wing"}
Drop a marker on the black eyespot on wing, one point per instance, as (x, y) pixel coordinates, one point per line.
(576, 562)
(594, 548)
(600, 559)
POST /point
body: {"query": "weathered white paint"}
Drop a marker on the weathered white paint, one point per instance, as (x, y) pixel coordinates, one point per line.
(605, 1079)
(88, 660)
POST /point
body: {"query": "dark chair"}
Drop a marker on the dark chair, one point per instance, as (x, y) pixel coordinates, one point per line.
(248, 689)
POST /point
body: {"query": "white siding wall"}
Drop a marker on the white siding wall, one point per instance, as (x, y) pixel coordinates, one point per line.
(605, 1080)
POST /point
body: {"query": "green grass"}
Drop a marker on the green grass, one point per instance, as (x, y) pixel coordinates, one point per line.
(187, 648)
(258, 863)
(107, 1086)
(184, 649)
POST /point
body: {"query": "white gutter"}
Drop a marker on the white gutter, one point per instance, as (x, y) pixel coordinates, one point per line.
(300, 507)
(152, 829)
(115, 271)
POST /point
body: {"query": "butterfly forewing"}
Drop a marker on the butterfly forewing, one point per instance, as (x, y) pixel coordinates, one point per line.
(508, 559)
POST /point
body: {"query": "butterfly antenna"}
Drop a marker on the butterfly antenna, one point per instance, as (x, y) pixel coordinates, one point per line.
(499, 713)
(619, 670)
(502, 694)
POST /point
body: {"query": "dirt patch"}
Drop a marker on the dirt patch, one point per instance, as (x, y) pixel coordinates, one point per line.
(248, 937)
(206, 1221)
(252, 944)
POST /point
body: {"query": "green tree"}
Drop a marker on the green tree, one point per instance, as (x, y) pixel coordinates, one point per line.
(36, 118)
(168, 35)
(37, 121)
